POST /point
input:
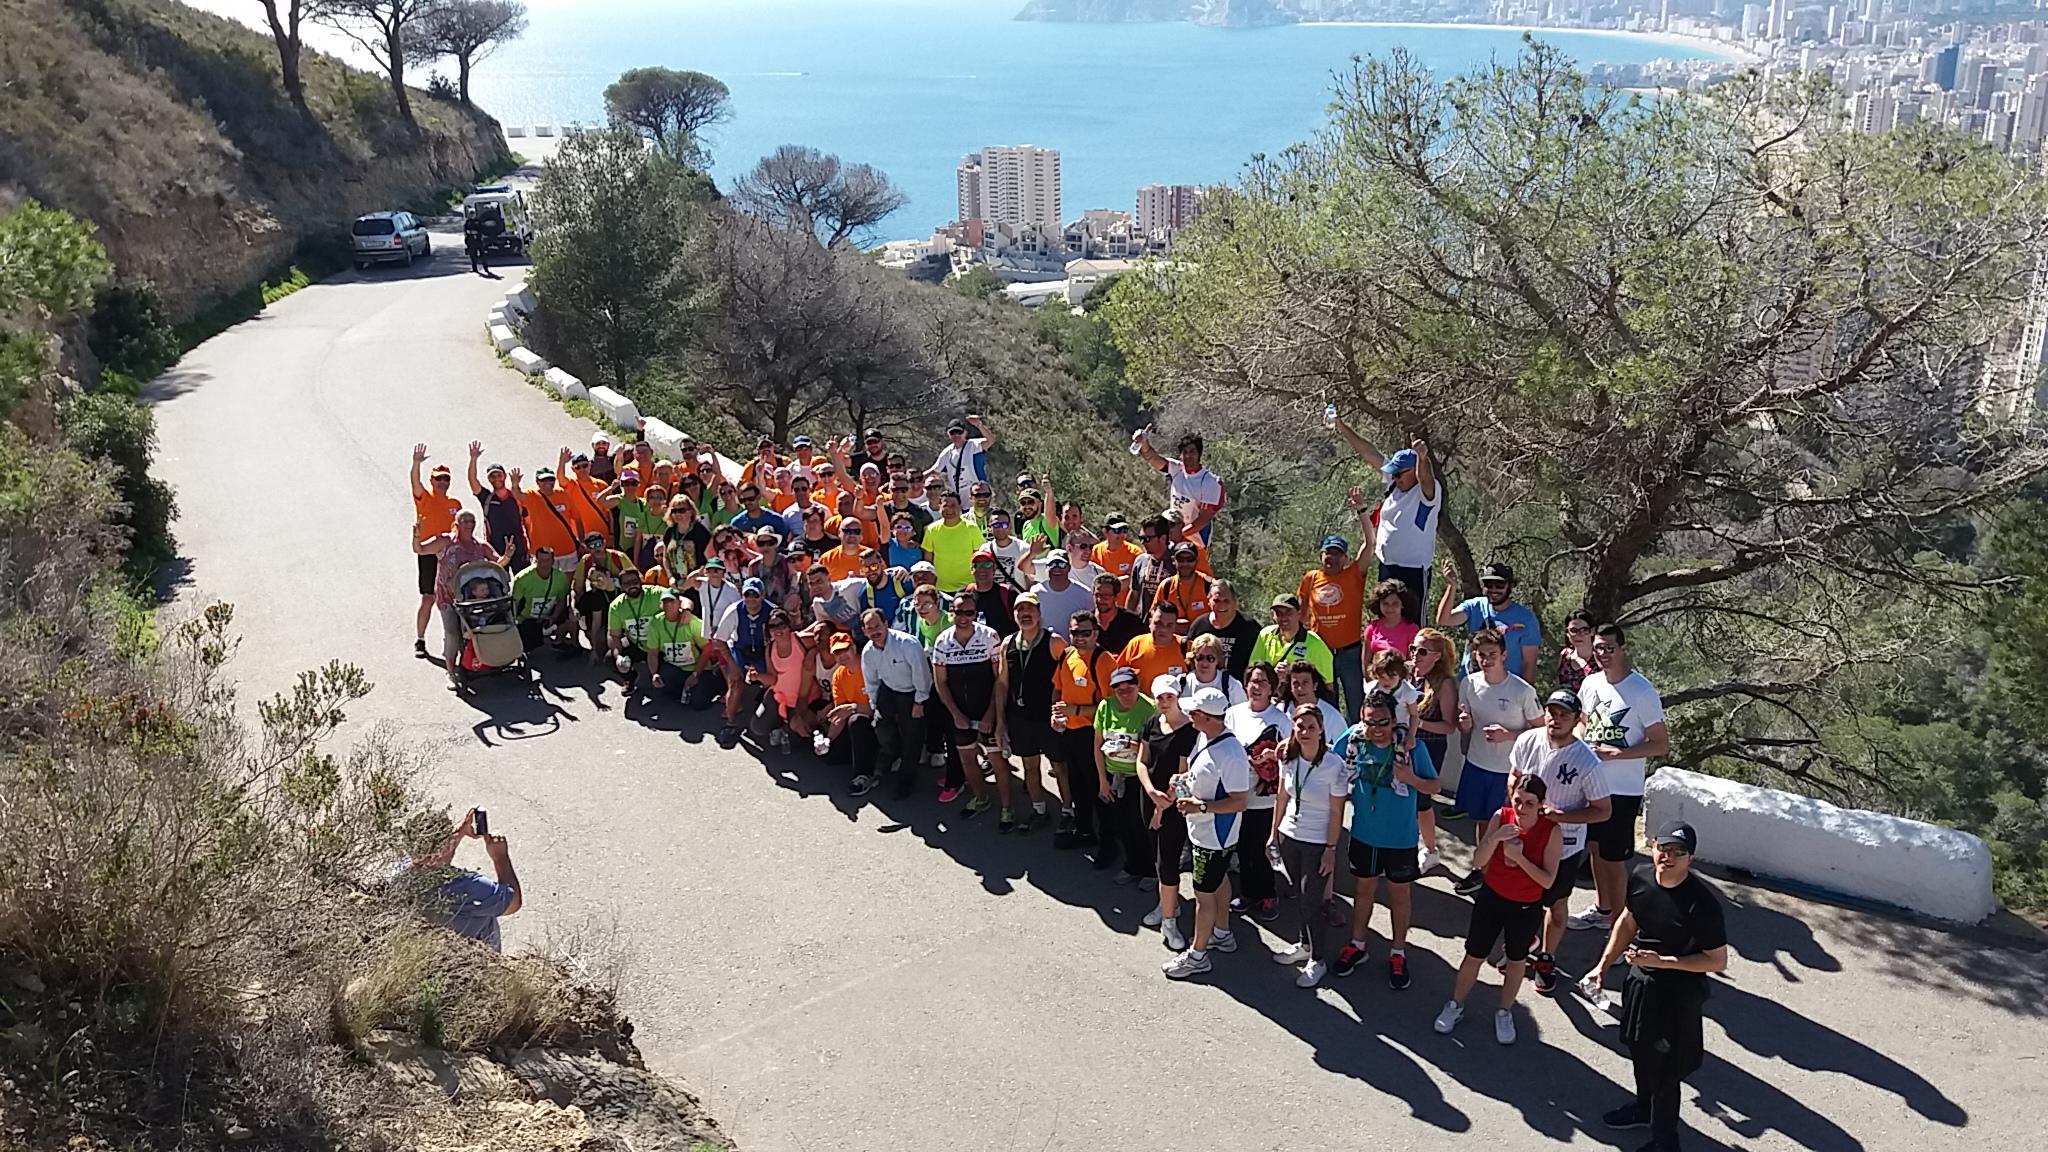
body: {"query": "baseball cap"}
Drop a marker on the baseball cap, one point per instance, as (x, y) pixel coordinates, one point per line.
(440, 470)
(544, 474)
(1165, 684)
(1337, 542)
(923, 566)
(1058, 558)
(580, 458)
(1125, 675)
(1564, 698)
(1501, 572)
(717, 562)
(1399, 462)
(589, 536)
(767, 536)
(1185, 549)
(597, 438)
(494, 469)
(955, 426)
(765, 442)
(1207, 699)
(630, 476)
(1287, 600)
(668, 594)
(752, 584)
(874, 434)
(1679, 836)
(1030, 598)
(1119, 524)
(982, 554)
(800, 442)
(841, 642)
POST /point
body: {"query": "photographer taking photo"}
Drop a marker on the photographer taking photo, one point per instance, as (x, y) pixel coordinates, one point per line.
(463, 900)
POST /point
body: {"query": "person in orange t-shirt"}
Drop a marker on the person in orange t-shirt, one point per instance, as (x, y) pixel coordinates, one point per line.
(1187, 589)
(552, 521)
(1332, 598)
(844, 562)
(1079, 682)
(435, 509)
(850, 721)
(1116, 554)
(1159, 652)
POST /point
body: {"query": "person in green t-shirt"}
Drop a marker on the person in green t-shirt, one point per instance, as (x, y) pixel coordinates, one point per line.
(674, 644)
(540, 602)
(626, 621)
(1119, 729)
(952, 541)
(635, 526)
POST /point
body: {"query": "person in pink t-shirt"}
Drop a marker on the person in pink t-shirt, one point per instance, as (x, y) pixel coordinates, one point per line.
(1393, 626)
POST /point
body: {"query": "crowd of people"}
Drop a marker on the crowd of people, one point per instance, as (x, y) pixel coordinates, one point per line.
(1096, 676)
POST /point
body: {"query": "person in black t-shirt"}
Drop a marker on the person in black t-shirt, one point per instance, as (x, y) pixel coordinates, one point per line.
(1224, 621)
(1673, 936)
(1118, 626)
(1167, 742)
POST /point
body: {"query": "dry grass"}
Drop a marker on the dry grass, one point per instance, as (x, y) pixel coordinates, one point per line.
(455, 994)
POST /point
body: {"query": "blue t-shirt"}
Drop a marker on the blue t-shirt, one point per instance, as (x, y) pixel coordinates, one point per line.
(1516, 622)
(473, 905)
(1382, 811)
(750, 523)
(903, 555)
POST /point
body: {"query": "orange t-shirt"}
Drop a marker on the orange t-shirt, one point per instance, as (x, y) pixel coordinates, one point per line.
(750, 472)
(1189, 597)
(1335, 605)
(551, 524)
(1080, 682)
(847, 685)
(436, 513)
(842, 563)
(1152, 659)
(1116, 560)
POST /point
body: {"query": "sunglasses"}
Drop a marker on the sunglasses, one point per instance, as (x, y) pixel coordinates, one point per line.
(999, 523)
(1379, 723)
(1082, 631)
(1205, 658)
(1605, 649)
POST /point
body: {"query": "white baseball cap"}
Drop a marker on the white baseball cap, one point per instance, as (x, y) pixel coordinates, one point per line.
(1165, 684)
(1208, 699)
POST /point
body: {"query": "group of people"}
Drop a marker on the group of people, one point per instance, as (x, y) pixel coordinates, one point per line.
(1099, 678)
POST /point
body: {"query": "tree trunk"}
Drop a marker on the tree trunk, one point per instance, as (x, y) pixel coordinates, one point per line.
(394, 51)
(288, 69)
(462, 73)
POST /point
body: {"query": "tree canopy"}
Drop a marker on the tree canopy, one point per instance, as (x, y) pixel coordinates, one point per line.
(467, 30)
(670, 108)
(811, 191)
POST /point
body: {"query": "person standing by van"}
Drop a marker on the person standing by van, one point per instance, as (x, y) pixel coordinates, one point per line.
(473, 244)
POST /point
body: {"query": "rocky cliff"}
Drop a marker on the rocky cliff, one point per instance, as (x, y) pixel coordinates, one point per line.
(168, 128)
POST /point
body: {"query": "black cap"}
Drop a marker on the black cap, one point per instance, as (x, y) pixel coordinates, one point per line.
(955, 426)
(1502, 572)
(1679, 836)
(1564, 698)
(874, 434)
(1123, 675)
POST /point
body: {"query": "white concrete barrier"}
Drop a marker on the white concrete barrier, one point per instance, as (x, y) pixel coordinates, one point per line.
(666, 438)
(503, 338)
(562, 384)
(524, 360)
(515, 131)
(615, 406)
(499, 313)
(1924, 868)
(521, 300)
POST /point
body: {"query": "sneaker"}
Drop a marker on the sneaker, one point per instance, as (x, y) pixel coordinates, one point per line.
(1504, 1026)
(1294, 954)
(1349, 957)
(1397, 971)
(1312, 975)
(1470, 885)
(1588, 920)
(1037, 821)
(938, 759)
(975, 806)
(1448, 1018)
(862, 785)
(1543, 973)
(950, 793)
(1185, 965)
(1237, 904)
(1266, 911)
(1005, 821)
(419, 649)
(1429, 860)
(1171, 935)
(1624, 1118)
(1151, 919)
(1122, 878)
(1454, 814)
(1223, 941)
(1063, 832)
(728, 736)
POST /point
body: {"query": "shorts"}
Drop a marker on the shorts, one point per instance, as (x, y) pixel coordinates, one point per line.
(593, 601)
(1028, 735)
(973, 702)
(1398, 865)
(430, 567)
(1169, 845)
(1616, 835)
(1568, 870)
(1212, 867)
(1497, 918)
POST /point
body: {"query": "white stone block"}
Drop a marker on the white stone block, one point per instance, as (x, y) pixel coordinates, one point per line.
(562, 384)
(1924, 868)
(524, 360)
(521, 300)
(499, 314)
(666, 438)
(615, 406)
(515, 132)
(503, 338)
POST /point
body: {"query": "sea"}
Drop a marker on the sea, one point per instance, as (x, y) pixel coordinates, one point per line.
(912, 85)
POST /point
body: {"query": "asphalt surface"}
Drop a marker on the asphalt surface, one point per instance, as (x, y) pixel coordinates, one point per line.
(833, 975)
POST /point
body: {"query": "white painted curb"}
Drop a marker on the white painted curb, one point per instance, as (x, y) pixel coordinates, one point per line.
(667, 439)
(1925, 868)
(524, 360)
(521, 300)
(503, 338)
(563, 384)
(615, 406)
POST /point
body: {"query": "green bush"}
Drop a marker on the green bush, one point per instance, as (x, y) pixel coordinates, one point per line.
(131, 333)
(122, 433)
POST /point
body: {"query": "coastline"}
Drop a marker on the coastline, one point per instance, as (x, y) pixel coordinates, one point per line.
(1720, 49)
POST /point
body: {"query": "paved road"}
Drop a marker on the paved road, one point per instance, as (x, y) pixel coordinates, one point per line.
(838, 977)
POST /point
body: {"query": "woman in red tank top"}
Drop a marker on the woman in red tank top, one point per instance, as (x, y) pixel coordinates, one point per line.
(1518, 856)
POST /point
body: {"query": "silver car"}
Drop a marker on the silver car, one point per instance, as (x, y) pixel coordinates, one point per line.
(386, 236)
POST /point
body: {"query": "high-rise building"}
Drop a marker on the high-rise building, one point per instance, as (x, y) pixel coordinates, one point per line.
(1946, 62)
(1166, 207)
(1779, 10)
(1753, 20)
(1017, 184)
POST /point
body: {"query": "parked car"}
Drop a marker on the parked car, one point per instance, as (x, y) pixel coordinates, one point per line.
(502, 214)
(386, 236)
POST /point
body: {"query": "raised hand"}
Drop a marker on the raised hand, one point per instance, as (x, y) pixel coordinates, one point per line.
(419, 453)
(476, 449)
(1356, 498)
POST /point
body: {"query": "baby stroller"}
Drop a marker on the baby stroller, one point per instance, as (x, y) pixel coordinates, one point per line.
(483, 602)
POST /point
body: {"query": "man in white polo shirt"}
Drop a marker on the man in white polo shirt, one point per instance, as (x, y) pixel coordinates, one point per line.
(1212, 795)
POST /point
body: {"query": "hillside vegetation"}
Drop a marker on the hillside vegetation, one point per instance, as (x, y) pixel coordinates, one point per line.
(168, 128)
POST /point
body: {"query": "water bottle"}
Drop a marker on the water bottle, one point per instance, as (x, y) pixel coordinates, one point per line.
(1136, 438)
(1330, 415)
(1273, 857)
(820, 743)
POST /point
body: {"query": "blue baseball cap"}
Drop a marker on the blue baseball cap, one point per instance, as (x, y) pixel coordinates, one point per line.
(751, 584)
(1337, 542)
(1399, 462)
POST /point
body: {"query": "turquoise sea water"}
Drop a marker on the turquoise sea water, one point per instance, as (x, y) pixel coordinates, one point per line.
(911, 85)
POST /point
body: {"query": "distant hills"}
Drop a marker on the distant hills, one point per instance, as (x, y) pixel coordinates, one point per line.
(1214, 13)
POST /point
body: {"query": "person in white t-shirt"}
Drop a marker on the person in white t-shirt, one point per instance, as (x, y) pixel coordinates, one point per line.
(1314, 782)
(1494, 707)
(964, 459)
(1194, 494)
(1404, 542)
(1575, 795)
(1211, 795)
(1624, 722)
(1260, 724)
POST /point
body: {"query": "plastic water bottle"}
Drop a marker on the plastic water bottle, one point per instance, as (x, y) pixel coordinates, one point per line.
(1330, 415)
(1136, 437)
(820, 743)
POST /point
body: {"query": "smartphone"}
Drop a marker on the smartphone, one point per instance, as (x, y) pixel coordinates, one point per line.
(482, 825)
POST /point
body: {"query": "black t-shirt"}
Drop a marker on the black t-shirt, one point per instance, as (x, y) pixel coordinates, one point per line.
(1030, 671)
(1237, 640)
(920, 517)
(998, 609)
(502, 516)
(1165, 750)
(1121, 631)
(1676, 921)
(687, 551)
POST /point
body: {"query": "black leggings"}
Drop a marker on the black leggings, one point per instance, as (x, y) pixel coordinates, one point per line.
(1254, 873)
(1169, 844)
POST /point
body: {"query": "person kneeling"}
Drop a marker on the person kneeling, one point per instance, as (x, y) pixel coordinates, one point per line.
(1517, 858)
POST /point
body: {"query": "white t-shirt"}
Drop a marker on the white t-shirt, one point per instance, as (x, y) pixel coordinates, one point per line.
(1621, 714)
(1572, 776)
(1012, 555)
(1260, 734)
(1189, 491)
(1406, 698)
(1406, 537)
(1216, 769)
(1510, 704)
(1309, 789)
(961, 467)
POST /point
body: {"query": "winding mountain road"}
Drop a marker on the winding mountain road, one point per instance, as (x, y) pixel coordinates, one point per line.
(830, 975)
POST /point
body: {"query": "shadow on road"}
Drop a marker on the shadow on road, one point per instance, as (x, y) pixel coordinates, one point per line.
(180, 379)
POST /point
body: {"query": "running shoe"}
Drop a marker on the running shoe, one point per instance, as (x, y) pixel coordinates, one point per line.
(1063, 832)
(419, 649)
(1037, 821)
(1397, 971)
(728, 736)
(1266, 911)
(1223, 941)
(1588, 920)
(1152, 918)
(1005, 821)
(1625, 1118)
(862, 785)
(1504, 1026)
(1470, 885)
(1448, 1018)
(1185, 965)
(1543, 973)
(1312, 974)
(1171, 935)
(1293, 954)
(975, 807)
(1349, 957)
(949, 793)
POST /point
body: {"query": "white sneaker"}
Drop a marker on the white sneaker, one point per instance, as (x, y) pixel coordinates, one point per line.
(1175, 938)
(1312, 975)
(1293, 955)
(1448, 1018)
(1223, 941)
(1152, 918)
(1504, 1026)
(1185, 965)
(1588, 920)
(1430, 859)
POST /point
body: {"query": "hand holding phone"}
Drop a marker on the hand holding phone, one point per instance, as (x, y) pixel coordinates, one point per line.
(480, 825)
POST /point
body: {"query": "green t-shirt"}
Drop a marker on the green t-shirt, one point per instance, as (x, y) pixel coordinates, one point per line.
(1038, 528)
(534, 596)
(953, 548)
(678, 641)
(635, 522)
(1122, 732)
(631, 614)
